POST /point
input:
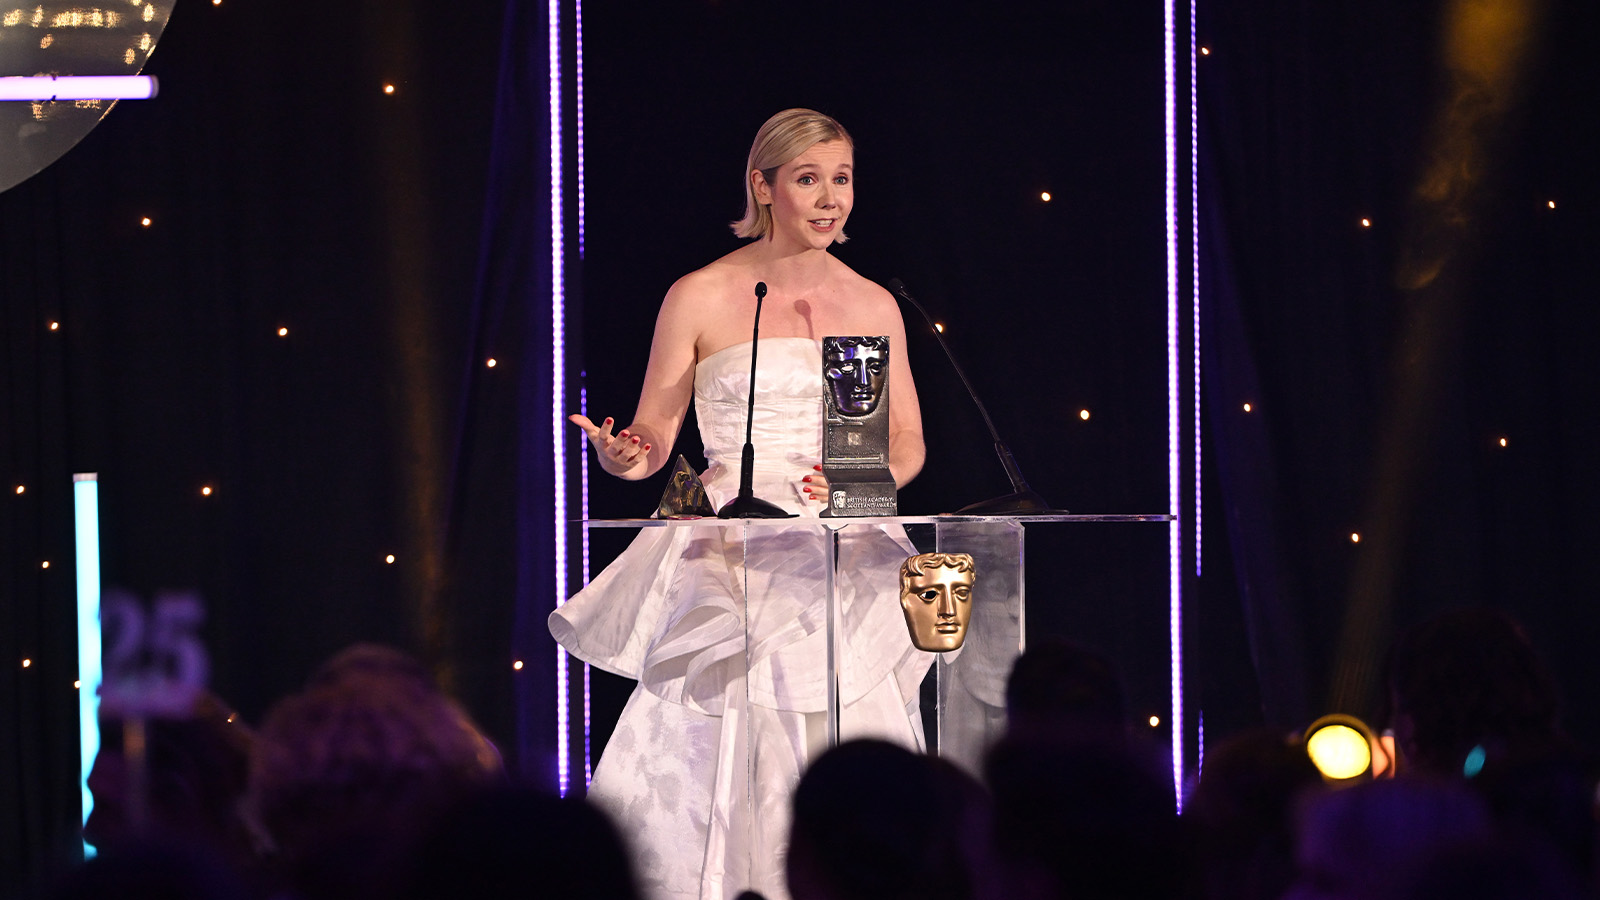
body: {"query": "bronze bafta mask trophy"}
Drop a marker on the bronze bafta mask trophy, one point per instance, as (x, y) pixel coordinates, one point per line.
(855, 447)
(936, 596)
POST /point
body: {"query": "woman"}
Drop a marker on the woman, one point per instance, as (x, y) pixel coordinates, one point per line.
(724, 635)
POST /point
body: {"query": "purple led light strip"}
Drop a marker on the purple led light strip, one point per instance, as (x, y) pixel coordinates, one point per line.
(1194, 265)
(558, 357)
(583, 451)
(583, 478)
(577, 27)
(1175, 529)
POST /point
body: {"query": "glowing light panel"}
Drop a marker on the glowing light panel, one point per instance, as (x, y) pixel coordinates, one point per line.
(86, 529)
(45, 88)
(558, 386)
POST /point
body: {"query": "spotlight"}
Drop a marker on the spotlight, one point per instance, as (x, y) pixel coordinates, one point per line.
(1341, 747)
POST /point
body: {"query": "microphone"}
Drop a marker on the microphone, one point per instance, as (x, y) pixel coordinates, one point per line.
(746, 506)
(1022, 498)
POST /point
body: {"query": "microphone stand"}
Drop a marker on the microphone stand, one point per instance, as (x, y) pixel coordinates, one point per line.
(1022, 498)
(746, 505)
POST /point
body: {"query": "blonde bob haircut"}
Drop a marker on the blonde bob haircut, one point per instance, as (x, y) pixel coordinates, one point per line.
(784, 137)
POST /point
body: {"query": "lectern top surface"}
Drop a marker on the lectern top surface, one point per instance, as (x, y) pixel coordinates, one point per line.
(844, 521)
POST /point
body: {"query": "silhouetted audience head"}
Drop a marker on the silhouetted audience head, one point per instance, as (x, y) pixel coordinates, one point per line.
(521, 843)
(874, 821)
(1061, 690)
(1374, 841)
(1465, 679)
(348, 772)
(1242, 810)
(196, 769)
(1085, 819)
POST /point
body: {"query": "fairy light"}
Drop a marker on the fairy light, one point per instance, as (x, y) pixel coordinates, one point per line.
(205, 491)
(27, 663)
(283, 332)
(1155, 721)
(1355, 537)
(1366, 223)
(389, 559)
(22, 488)
(1249, 408)
(388, 88)
(491, 362)
(517, 666)
(1045, 196)
(45, 564)
(55, 326)
(1083, 414)
(145, 222)
(1502, 442)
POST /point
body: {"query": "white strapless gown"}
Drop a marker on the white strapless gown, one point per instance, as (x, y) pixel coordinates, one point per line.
(699, 770)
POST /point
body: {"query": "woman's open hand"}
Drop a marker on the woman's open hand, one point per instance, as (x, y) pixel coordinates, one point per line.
(622, 454)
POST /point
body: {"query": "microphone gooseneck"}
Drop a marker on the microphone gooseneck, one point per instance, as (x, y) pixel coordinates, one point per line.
(746, 506)
(1022, 498)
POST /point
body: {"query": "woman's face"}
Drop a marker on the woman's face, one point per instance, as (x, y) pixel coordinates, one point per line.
(811, 195)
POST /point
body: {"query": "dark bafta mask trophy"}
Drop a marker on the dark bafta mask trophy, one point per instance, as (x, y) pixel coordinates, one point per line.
(936, 596)
(855, 446)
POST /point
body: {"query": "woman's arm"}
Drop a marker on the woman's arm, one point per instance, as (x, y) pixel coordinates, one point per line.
(906, 449)
(645, 445)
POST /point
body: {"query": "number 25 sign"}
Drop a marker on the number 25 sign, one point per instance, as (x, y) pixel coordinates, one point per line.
(155, 664)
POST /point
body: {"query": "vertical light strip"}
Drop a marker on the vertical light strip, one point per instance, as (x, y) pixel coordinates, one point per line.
(583, 478)
(86, 528)
(558, 387)
(583, 451)
(577, 28)
(1175, 528)
(1194, 265)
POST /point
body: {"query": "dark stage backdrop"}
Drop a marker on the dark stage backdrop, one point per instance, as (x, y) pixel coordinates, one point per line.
(397, 238)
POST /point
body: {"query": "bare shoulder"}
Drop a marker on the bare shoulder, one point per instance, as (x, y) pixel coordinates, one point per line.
(867, 298)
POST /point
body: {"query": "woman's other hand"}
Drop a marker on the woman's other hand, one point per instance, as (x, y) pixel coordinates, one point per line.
(622, 454)
(815, 486)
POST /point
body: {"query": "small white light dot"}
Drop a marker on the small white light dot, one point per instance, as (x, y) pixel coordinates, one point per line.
(77, 685)
(145, 221)
(231, 716)
(282, 331)
(389, 559)
(388, 88)
(517, 665)
(22, 488)
(1502, 442)
(1205, 51)
(1248, 407)
(1366, 223)
(205, 491)
(1551, 204)
(26, 663)
(218, 3)
(1355, 537)
(45, 564)
(492, 362)
(1045, 196)
(1083, 414)
(1154, 721)
(55, 326)
(939, 327)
